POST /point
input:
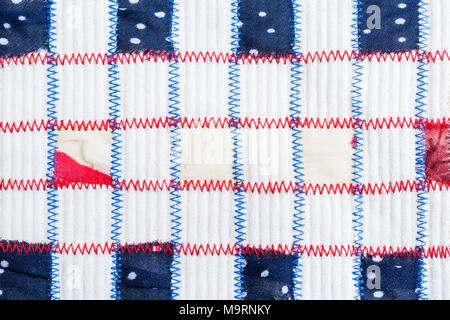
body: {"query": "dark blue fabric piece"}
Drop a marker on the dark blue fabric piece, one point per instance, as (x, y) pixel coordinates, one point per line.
(392, 36)
(260, 16)
(23, 27)
(146, 276)
(24, 276)
(268, 277)
(398, 278)
(149, 21)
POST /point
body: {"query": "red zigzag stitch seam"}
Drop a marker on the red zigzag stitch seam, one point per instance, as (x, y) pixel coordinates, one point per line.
(250, 123)
(220, 57)
(228, 249)
(224, 185)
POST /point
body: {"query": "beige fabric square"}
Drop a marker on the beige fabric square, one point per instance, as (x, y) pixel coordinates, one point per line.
(206, 154)
(89, 148)
(327, 155)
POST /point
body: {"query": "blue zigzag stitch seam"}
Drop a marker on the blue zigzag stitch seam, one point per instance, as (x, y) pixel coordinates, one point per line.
(52, 196)
(175, 152)
(114, 111)
(297, 158)
(238, 174)
(422, 194)
(357, 158)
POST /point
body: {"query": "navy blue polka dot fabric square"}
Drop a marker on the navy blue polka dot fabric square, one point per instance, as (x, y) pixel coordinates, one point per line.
(23, 27)
(268, 277)
(146, 275)
(389, 278)
(144, 26)
(388, 25)
(24, 276)
(266, 27)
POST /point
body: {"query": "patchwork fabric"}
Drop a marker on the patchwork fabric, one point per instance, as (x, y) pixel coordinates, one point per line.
(388, 25)
(224, 149)
(389, 278)
(23, 27)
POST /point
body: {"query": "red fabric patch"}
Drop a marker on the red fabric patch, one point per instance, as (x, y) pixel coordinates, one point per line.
(437, 160)
(68, 170)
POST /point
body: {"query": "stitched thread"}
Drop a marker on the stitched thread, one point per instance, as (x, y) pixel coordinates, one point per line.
(434, 252)
(175, 152)
(229, 185)
(220, 57)
(52, 196)
(114, 112)
(422, 195)
(297, 163)
(238, 174)
(211, 122)
(357, 214)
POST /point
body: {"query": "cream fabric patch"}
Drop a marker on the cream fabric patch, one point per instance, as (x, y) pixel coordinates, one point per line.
(327, 155)
(89, 148)
(206, 154)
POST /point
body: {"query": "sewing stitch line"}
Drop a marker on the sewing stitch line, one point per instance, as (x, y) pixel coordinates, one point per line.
(52, 194)
(297, 163)
(238, 174)
(116, 153)
(220, 57)
(357, 214)
(272, 187)
(175, 153)
(420, 107)
(194, 249)
(223, 122)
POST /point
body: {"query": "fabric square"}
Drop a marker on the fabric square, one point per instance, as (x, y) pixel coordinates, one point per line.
(267, 154)
(437, 159)
(207, 277)
(327, 156)
(84, 214)
(83, 91)
(326, 25)
(440, 278)
(328, 219)
(390, 219)
(144, 25)
(389, 155)
(439, 33)
(439, 89)
(327, 88)
(209, 219)
(23, 92)
(81, 26)
(144, 89)
(146, 154)
(24, 215)
(268, 277)
(265, 89)
(203, 90)
(267, 27)
(388, 25)
(438, 219)
(389, 278)
(146, 214)
(85, 276)
(83, 156)
(205, 26)
(146, 275)
(389, 89)
(24, 276)
(327, 277)
(206, 154)
(26, 155)
(269, 219)
(23, 27)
